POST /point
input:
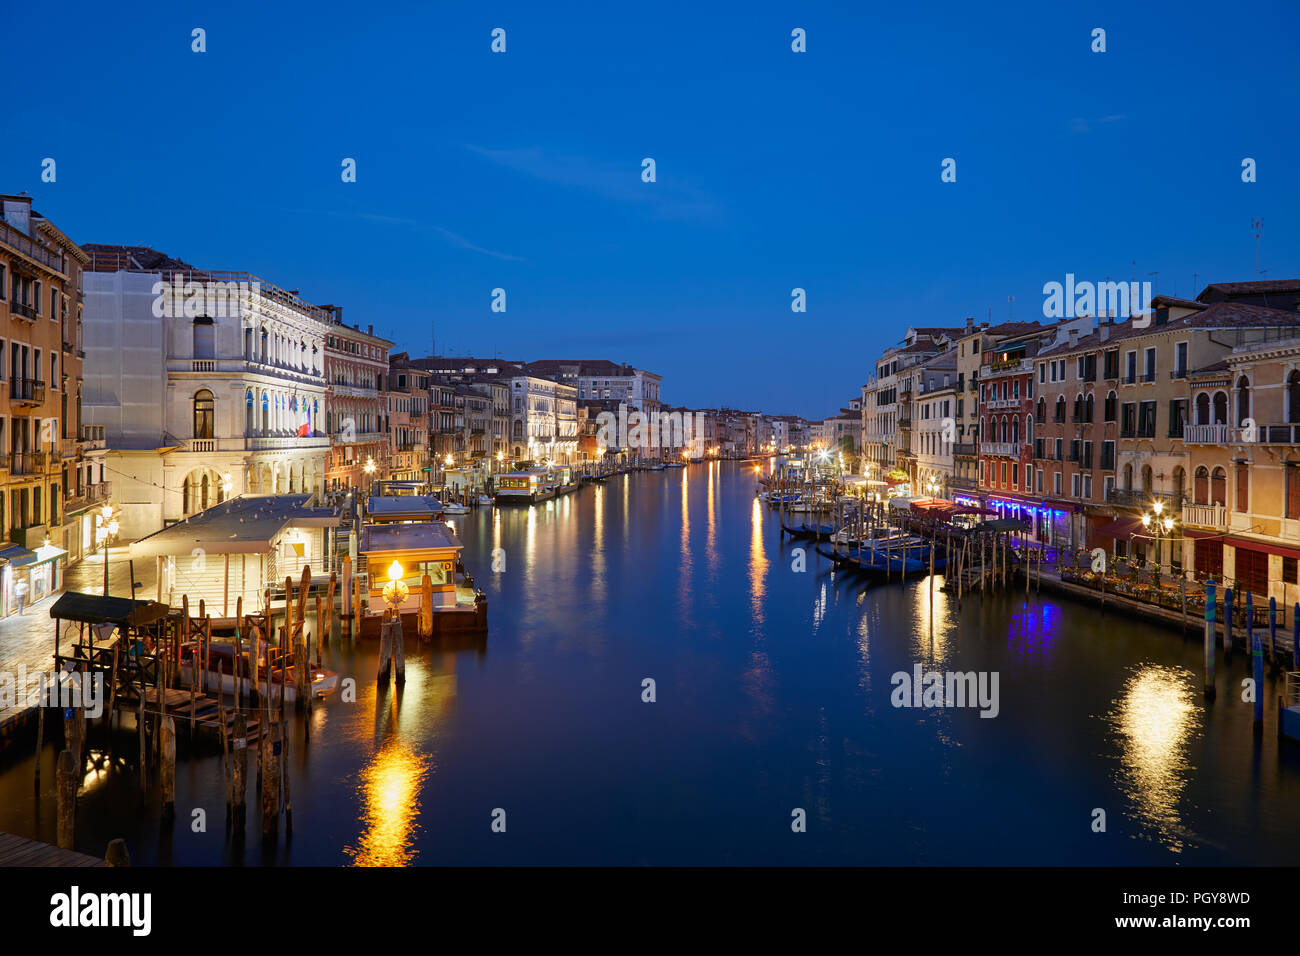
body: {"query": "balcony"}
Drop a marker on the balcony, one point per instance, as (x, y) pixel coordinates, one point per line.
(1278, 434)
(1007, 367)
(27, 391)
(1137, 498)
(1002, 403)
(968, 448)
(1205, 516)
(20, 310)
(89, 496)
(26, 463)
(92, 436)
(203, 365)
(1206, 435)
(1000, 449)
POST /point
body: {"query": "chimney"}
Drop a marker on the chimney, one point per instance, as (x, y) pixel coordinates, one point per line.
(1074, 337)
(970, 324)
(370, 329)
(1103, 331)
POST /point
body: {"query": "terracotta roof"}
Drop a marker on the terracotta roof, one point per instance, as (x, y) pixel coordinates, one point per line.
(1247, 288)
(108, 257)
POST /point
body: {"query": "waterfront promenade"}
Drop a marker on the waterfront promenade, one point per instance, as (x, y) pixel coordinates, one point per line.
(27, 639)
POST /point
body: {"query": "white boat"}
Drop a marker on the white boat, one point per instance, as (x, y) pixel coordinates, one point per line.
(484, 500)
(455, 509)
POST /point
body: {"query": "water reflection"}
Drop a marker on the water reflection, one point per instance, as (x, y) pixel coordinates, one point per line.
(1155, 719)
(757, 561)
(390, 791)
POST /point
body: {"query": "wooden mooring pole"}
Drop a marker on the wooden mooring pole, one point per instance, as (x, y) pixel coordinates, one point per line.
(66, 773)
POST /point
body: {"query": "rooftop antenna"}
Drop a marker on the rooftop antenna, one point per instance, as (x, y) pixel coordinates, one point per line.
(1258, 225)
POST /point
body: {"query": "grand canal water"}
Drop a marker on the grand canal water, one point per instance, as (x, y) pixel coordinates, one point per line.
(773, 693)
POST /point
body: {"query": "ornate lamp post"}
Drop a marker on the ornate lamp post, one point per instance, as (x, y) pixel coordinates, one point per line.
(369, 469)
(395, 591)
(1161, 525)
(105, 529)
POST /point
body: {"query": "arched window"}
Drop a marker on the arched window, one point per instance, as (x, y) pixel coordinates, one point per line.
(1219, 486)
(1060, 408)
(1148, 482)
(1243, 400)
(1201, 486)
(1078, 407)
(1029, 429)
(1015, 429)
(1112, 406)
(204, 414)
(1128, 477)
(1293, 397)
(266, 413)
(1220, 408)
(1088, 409)
(185, 496)
(1042, 409)
(248, 412)
(1202, 409)
(203, 492)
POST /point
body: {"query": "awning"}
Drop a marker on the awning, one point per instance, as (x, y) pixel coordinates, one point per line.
(17, 555)
(1121, 528)
(97, 609)
(1005, 524)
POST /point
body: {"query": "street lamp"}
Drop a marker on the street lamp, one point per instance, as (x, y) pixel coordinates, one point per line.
(105, 528)
(395, 591)
(1161, 524)
(369, 469)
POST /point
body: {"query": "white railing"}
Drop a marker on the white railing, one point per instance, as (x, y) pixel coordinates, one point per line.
(1000, 449)
(1205, 434)
(1205, 516)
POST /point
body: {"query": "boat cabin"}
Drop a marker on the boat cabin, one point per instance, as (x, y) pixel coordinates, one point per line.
(390, 508)
(416, 549)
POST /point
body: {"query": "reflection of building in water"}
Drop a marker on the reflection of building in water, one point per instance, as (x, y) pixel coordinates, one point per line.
(1033, 631)
(1155, 719)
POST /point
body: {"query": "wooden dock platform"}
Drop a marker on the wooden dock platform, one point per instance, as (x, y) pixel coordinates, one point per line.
(19, 851)
(180, 704)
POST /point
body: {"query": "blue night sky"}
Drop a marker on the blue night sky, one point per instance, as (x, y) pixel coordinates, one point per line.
(523, 171)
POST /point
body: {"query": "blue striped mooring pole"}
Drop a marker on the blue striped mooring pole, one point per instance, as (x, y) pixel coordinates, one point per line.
(1209, 639)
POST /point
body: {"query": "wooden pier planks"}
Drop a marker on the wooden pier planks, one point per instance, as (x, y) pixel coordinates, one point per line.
(19, 851)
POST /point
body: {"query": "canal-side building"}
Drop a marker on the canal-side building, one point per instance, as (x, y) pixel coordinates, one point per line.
(887, 400)
(408, 420)
(208, 384)
(596, 379)
(45, 495)
(544, 420)
(1009, 378)
(934, 405)
(356, 404)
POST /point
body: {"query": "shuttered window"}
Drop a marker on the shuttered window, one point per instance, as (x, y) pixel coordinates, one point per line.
(1252, 570)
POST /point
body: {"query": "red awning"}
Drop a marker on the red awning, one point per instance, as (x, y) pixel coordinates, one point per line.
(1121, 527)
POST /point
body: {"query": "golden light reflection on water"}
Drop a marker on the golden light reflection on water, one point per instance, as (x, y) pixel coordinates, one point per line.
(390, 788)
(757, 561)
(932, 620)
(1155, 718)
(685, 591)
(598, 591)
(711, 548)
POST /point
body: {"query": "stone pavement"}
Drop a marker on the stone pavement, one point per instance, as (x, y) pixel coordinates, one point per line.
(27, 639)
